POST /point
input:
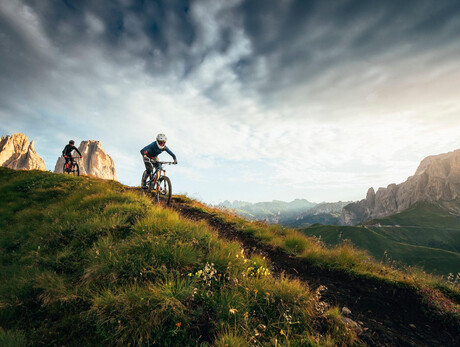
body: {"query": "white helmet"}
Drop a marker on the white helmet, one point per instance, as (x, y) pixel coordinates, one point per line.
(161, 140)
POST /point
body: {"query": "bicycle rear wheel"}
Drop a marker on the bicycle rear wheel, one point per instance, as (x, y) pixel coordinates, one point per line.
(163, 191)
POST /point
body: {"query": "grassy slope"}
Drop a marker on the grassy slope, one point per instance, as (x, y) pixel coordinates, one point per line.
(345, 257)
(423, 214)
(381, 247)
(84, 262)
(423, 224)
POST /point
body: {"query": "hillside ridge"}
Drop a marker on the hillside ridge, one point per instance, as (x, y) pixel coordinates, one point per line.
(385, 312)
(101, 272)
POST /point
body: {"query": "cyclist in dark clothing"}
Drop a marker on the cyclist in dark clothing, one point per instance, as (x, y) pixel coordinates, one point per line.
(150, 153)
(67, 151)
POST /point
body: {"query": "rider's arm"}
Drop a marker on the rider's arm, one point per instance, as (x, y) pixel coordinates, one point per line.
(170, 153)
(63, 151)
(77, 150)
(147, 150)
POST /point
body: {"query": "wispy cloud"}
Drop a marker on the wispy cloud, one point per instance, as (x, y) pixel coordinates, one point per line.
(260, 99)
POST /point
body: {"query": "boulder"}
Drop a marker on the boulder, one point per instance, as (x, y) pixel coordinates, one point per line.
(17, 153)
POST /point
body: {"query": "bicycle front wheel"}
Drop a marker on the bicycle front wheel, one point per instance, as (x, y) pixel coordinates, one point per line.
(76, 170)
(164, 191)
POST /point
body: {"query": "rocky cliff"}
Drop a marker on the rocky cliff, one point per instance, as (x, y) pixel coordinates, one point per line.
(95, 161)
(436, 179)
(17, 153)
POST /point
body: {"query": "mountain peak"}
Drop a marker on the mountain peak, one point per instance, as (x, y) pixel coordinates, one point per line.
(17, 153)
(437, 179)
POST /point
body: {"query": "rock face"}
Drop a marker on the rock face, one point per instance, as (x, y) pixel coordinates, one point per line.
(95, 161)
(436, 179)
(17, 153)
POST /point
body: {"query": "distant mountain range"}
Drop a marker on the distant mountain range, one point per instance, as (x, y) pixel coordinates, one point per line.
(297, 213)
(416, 222)
(437, 180)
(324, 213)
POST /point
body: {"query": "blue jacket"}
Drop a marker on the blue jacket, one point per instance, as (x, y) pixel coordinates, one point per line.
(153, 150)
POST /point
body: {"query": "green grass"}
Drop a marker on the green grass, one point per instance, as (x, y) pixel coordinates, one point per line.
(425, 214)
(375, 241)
(423, 224)
(345, 256)
(425, 235)
(85, 262)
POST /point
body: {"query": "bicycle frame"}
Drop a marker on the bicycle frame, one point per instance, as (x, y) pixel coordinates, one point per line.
(159, 171)
(159, 184)
(72, 166)
(72, 162)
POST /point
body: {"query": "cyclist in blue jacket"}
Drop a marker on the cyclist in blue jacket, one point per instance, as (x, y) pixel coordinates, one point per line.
(150, 153)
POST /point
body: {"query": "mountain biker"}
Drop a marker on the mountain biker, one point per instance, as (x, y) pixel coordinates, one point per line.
(67, 152)
(150, 153)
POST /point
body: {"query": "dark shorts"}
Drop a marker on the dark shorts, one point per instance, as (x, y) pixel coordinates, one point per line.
(149, 166)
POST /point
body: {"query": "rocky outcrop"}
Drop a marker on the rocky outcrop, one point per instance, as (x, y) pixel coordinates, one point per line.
(95, 161)
(436, 179)
(17, 153)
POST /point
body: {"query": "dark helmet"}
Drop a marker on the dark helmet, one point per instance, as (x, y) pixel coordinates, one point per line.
(71, 142)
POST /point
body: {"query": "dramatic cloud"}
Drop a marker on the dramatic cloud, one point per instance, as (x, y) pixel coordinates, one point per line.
(260, 99)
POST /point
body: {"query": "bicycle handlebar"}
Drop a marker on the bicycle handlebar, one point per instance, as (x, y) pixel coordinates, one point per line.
(161, 162)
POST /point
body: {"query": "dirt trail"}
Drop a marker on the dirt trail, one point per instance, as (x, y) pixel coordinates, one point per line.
(388, 315)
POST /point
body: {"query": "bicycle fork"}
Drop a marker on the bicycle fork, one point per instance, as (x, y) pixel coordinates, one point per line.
(155, 178)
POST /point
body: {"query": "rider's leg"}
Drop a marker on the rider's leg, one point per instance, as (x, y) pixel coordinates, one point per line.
(155, 168)
(67, 161)
(144, 178)
(147, 172)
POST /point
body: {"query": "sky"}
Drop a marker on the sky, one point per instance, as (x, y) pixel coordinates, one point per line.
(260, 100)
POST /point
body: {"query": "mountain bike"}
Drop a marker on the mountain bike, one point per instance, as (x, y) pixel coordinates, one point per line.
(158, 184)
(72, 167)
